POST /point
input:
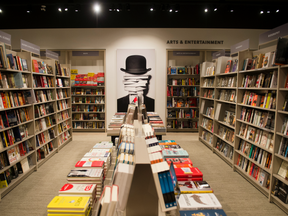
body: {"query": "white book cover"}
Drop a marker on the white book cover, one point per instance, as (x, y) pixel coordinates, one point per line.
(83, 174)
(198, 201)
(103, 145)
(88, 189)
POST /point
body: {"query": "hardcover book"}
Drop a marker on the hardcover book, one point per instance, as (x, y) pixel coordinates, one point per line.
(198, 201)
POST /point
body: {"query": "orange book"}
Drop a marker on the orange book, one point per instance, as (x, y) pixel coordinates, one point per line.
(228, 66)
(262, 101)
(35, 66)
(4, 100)
(254, 100)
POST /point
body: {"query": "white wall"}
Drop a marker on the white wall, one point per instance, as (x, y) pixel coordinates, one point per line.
(133, 38)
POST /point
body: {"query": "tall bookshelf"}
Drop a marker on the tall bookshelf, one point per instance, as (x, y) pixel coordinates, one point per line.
(34, 117)
(88, 100)
(183, 84)
(273, 130)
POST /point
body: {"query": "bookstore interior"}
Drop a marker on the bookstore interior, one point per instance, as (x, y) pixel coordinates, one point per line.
(61, 86)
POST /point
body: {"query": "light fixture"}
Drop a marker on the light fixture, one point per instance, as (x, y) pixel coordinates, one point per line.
(28, 11)
(261, 12)
(231, 10)
(268, 11)
(76, 10)
(97, 8)
(170, 10)
(119, 8)
(215, 9)
(277, 10)
(66, 9)
(176, 8)
(59, 9)
(1, 11)
(43, 8)
(111, 7)
(206, 10)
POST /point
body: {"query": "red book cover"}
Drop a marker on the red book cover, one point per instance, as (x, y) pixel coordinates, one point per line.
(19, 62)
(35, 66)
(228, 66)
(89, 164)
(190, 179)
(187, 172)
(179, 161)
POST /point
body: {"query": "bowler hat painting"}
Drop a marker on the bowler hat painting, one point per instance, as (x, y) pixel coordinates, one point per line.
(135, 73)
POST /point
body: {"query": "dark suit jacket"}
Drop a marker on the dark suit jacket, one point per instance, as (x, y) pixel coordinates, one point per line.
(122, 104)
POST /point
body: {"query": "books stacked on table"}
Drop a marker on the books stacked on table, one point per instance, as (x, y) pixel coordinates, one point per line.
(156, 122)
(103, 145)
(69, 205)
(117, 121)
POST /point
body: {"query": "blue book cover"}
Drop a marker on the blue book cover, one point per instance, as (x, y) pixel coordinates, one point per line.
(211, 212)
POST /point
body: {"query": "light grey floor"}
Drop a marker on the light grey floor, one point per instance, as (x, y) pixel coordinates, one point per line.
(237, 196)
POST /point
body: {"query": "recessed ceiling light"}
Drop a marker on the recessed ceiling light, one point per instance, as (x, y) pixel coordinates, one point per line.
(1, 11)
(231, 10)
(170, 10)
(97, 8)
(76, 10)
(277, 11)
(66, 9)
(59, 9)
(215, 9)
(151, 9)
(28, 11)
(268, 11)
(206, 10)
(261, 12)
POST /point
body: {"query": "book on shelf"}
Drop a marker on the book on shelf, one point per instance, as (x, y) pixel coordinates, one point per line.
(283, 170)
(228, 66)
(280, 190)
(267, 59)
(191, 187)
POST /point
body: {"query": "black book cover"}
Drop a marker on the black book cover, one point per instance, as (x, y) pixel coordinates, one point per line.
(17, 134)
(5, 119)
(8, 176)
(12, 119)
(282, 194)
(19, 168)
(281, 55)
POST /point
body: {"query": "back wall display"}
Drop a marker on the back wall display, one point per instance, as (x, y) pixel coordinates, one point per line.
(135, 74)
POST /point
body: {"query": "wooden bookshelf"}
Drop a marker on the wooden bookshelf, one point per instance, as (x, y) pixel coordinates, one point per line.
(29, 125)
(183, 84)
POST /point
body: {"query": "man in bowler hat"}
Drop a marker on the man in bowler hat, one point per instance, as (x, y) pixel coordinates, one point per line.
(135, 81)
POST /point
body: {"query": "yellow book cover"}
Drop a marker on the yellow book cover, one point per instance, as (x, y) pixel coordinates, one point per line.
(6, 143)
(268, 100)
(69, 204)
(87, 213)
(7, 99)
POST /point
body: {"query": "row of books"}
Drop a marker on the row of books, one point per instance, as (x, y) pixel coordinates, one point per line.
(251, 169)
(42, 82)
(44, 137)
(183, 113)
(280, 190)
(187, 81)
(231, 66)
(210, 71)
(267, 101)
(44, 123)
(14, 99)
(208, 82)
(209, 93)
(14, 117)
(10, 61)
(86, 116)
(63, 104)
(44, 151)
(88, 108)
(189, 102)
(207, 136)
(224, 148)
(13, 80)
(41, 67)
(89, 79)
(227, 81)
(43, 96)
(88, 125)
(62, 82)
(14, 154)
(228, 95)
(209, 111)
(259, 118)
(230, 118)
(258, 136)
(11, 136)
(43, 109)
(178, 124)
(88, 100)
(61, 94)
(283, 148)
(182, 91)
(194, 70)
(87, 91)
(208, 124)
(61, 71)
(258, 155)
(64, 137)
(63, 115)
(226, 133)
(63, 127)
(263, 80)
(259, 61)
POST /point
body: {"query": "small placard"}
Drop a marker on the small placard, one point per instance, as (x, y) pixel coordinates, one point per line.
(85, 53)
(50, 54)
(218, 54)
(5, 38)
(186, 53)
(27, 46)
(273, 34)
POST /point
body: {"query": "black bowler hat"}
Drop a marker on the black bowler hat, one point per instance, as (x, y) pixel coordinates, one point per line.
(135, 64)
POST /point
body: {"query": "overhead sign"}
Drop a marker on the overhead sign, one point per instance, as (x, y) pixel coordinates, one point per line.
(50, 54)
(244, 45)
(273, 34)
(5, 38)
(85, 53)
(27, 46)
(218, 54)
(186, 53)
